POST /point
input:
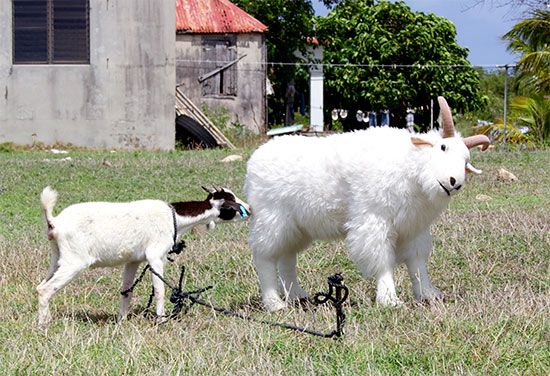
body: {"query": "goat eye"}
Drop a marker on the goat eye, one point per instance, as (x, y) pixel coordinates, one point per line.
(443, 147)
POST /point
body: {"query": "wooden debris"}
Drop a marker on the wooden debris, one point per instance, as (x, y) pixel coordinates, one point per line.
(232, 158)
(482, 197)
(55, 151)
(504, 175)
(218, 70)
(184, 106)
(285, 130)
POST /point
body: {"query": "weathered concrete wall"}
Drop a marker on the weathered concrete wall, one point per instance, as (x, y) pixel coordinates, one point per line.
(248, 107)
(123, 99)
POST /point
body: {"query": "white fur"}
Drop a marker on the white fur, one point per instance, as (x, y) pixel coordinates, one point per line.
(106, 234)
(378, 188)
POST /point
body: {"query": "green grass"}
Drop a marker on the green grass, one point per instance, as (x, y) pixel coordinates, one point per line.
(490, 259)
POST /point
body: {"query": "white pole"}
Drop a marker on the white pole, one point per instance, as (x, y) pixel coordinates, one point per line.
(505, 101)
(431, 114)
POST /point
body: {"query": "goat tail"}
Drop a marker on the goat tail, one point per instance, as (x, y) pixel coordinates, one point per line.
(48, 197)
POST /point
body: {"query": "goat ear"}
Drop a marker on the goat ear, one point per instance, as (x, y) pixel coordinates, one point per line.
(420, 142)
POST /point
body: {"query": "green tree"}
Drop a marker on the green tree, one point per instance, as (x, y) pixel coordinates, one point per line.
(531, 39)
(290, 23)
(369, 34)
(492, 89)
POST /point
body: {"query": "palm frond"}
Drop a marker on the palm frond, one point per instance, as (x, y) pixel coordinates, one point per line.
(532, 112)
(531, 39)
(534, 30)
(536, 61)
(495, 132)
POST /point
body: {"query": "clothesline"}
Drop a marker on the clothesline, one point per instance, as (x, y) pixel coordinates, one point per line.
(394, 66)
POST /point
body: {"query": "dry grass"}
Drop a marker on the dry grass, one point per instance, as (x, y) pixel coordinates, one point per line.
(491, 260)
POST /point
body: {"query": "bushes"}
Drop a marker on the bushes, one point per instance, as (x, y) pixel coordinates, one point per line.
(528, 123)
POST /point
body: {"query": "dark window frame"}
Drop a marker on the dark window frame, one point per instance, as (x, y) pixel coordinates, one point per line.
(50, 32)
(223, 50)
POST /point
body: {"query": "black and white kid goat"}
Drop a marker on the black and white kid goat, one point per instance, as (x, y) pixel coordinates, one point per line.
(107, 234)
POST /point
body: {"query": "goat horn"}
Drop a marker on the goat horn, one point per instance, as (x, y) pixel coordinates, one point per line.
(209, 190)
(478, 139)
(447, 117)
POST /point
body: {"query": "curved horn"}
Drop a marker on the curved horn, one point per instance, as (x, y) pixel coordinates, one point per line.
(209, 190)
(447, 117)
(478, 139)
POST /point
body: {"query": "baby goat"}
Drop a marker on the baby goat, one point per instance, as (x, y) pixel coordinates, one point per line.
(100, 234)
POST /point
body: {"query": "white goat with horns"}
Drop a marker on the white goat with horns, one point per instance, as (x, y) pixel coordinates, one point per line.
(380, 189)
(100, 234)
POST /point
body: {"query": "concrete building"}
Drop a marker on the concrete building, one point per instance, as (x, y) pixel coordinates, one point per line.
(95, 73)
(220, 59)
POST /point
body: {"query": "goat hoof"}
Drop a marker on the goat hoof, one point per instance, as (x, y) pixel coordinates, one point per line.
(298, 294)
(388, 301)
(305, 304)
(44, 323)
(430, 295)
(274, 305)
(159, 320)
(120, 318)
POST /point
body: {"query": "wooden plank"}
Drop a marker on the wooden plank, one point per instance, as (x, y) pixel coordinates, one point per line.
(216, 71)
(285, 130)
(184, 106)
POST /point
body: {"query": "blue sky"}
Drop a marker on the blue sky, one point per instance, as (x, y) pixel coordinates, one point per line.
(479, 28)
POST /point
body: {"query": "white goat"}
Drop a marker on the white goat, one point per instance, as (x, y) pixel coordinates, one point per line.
(380, 189)
(100, 234)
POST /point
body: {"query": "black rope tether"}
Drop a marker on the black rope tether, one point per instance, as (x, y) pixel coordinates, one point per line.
(179, 299)
(176, 247)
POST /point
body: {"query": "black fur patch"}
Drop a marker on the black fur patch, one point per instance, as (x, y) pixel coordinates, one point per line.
(229, 208)
(227, 214)
(191, 208)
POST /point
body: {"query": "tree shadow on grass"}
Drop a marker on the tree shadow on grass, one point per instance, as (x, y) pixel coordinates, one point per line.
(253, 305)
(99, 318)
(106, 318)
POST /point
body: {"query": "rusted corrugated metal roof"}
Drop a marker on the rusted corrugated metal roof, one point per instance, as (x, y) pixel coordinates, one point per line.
(214, 16)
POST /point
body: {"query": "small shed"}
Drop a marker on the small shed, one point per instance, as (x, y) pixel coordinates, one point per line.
(221, 60)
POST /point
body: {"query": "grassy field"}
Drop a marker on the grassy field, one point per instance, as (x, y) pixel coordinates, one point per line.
(490, 259)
